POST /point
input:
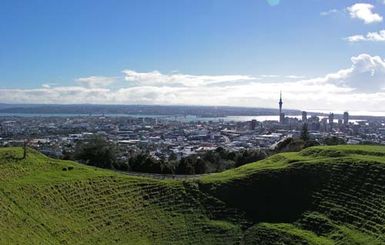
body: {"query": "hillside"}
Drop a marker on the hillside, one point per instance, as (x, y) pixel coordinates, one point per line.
(322, 195)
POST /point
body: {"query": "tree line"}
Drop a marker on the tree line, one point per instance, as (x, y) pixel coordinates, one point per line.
(97, 151)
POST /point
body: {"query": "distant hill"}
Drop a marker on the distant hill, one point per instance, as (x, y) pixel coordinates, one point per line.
(322, 195)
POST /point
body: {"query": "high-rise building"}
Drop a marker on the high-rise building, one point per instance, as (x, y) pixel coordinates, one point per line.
(331, 120)
(324, 124)
(304, 116)
(339, 123)
(253, 124)
(346, 118)
(281, 115)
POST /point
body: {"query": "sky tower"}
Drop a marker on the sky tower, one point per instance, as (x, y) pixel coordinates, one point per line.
(281, 114)
(280, 102)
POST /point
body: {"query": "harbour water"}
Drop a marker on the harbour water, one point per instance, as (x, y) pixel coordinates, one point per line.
(187, 118)
(166, 117)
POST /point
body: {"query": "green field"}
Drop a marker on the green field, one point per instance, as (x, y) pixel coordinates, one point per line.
(322, 195)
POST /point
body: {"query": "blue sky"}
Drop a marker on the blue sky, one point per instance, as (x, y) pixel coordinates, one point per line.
(49, 46)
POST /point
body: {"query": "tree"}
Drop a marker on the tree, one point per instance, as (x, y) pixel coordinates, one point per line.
(250, 156)
(96, 151)
(172, 157)
(186, 166)
(311, 143)
(200, 166)
(25, 144)
(25, 148)
(334, 140)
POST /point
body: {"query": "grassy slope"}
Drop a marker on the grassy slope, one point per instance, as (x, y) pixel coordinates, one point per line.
(323, 195)
(39, 202)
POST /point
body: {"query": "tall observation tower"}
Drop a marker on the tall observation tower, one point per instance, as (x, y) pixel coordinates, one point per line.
(281, 114)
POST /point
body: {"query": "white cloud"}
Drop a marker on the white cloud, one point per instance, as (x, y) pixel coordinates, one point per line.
(46, 85)
(96, 81)
(358, 87)
(56, 95)
(371, 36)
(329, 12)
(269, 76)
(367, 74)
(356, 38)
(272, 76)
(295, 77)
(364, 11)
(155, 78)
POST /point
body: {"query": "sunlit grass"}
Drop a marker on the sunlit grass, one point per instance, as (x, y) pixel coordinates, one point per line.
(322, 195)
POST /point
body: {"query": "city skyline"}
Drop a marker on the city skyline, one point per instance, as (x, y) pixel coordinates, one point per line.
(323, 56)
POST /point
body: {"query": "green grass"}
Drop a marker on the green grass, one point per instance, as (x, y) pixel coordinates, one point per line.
(266, 233)
(322, 195)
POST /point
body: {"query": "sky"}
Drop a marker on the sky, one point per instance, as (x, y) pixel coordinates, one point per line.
(326, 55)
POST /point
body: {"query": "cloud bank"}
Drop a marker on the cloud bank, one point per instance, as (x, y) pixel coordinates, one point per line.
(155, 78)
(359, 87)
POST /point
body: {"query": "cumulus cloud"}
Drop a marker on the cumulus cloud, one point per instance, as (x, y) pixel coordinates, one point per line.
(367, 74)
(364, 11)
(358, 87)
(96, 81)
(371, 36)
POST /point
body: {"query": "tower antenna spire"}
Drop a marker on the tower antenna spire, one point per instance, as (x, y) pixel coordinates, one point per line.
(280, 103)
